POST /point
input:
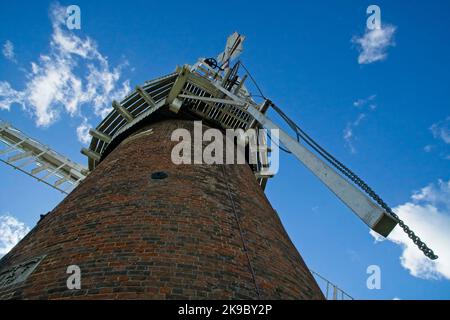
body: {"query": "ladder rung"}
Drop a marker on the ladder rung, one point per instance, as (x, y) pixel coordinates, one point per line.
(91, 154)
(123, 112)
(54, 171)
(12, 148)
(60, 181)
(33, 159)
(20, 156)
(100, 135)
(147, 98)
(39, 169)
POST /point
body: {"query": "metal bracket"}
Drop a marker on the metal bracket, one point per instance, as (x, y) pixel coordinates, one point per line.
(176, 89)
(124, 112)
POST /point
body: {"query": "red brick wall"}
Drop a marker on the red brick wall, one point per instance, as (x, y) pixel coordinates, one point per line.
(134, 237)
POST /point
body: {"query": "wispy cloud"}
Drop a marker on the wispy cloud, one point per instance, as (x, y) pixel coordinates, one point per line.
(348, 134)
(366, 101)
(373, 44)
(11, 232)
(83, 132)
(9, 96)
(72, 74)
(428, 214)
(8, 51)
(441, 132)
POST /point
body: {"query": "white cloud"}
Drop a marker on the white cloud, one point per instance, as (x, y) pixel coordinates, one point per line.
(438, 196)
(8, 51)
(8, 96)
(348, 137)
(428, 214)
(83, 132)
(374, 43)
(348, 134)
(72, 74)
(11, 231)
(441, 130)
(358, 120)
(362, 102)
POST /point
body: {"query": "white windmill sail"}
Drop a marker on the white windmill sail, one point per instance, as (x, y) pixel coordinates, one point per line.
(38, 160)
(233, 49)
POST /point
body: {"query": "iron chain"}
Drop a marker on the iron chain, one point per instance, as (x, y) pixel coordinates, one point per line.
(357, 181)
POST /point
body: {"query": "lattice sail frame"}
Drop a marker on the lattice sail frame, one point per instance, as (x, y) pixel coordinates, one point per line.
(199, 88)
(38, 160)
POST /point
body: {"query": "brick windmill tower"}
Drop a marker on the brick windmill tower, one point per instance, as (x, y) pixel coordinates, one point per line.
(137, 225)
(140, 226)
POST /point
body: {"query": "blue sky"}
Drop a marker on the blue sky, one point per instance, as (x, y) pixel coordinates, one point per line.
(379, 102)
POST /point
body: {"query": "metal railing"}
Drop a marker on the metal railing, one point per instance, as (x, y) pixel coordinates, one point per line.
(330, 290)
